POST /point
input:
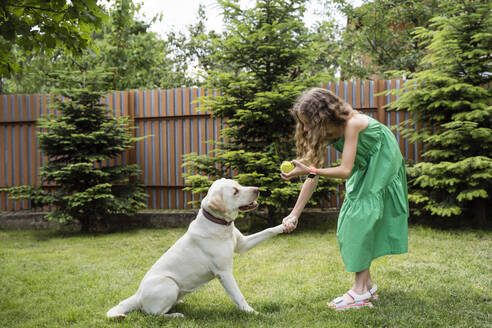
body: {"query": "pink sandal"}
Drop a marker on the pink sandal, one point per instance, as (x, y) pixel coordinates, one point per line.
(359, 301)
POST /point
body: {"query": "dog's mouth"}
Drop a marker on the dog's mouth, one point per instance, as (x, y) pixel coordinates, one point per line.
(249, 207)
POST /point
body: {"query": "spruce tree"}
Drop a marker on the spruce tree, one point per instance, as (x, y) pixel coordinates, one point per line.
(263, 54)
(449, 102)
(78, 143)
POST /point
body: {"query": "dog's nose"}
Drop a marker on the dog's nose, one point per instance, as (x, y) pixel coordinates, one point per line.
(256, 190)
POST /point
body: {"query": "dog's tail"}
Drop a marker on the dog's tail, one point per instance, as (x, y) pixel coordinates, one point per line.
(125, 306)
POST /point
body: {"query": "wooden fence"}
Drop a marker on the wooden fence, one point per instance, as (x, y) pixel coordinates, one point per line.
(177, 128)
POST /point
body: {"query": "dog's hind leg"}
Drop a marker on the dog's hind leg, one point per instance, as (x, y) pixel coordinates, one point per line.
(159, 296)
(124, 307)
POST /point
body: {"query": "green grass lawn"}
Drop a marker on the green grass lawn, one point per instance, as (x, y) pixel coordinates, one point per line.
(50, 279)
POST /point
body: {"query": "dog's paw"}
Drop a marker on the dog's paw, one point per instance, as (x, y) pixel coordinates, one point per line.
(116, 316)
(248, 309)
(278, 229)
(175, 315)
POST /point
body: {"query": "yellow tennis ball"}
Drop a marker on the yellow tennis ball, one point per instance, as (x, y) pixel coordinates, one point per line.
(286, 167)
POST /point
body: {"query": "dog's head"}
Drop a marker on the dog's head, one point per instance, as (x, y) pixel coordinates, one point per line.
(226, 197)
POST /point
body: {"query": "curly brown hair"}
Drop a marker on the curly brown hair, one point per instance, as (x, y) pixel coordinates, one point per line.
(323, 110)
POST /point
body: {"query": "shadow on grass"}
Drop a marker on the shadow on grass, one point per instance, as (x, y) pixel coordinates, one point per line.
(230, 316)
(394, 309)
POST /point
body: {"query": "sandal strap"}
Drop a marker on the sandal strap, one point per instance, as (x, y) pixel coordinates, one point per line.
(339, 300)
(352, 294)
(373, 289)
(357, 297)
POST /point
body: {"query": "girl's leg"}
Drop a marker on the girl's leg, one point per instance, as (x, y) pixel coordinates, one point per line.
(362, 284)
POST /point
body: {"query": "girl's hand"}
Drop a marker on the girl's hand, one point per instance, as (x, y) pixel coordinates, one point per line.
(290, 223)
(299, 169)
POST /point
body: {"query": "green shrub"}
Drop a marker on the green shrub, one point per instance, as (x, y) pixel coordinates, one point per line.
(76, 144)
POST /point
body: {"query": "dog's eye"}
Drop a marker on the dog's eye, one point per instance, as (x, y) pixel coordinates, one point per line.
(236, 191)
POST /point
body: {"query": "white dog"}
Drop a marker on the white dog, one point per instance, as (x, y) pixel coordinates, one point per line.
(204, 252)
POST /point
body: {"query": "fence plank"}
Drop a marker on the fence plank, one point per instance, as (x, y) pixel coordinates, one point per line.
(358, 94)
(3, 166)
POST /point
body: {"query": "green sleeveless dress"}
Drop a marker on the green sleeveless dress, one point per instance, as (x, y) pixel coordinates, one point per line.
(373, 220)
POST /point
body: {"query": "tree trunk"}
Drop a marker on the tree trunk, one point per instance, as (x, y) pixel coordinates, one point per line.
(479, 208)
(271, 216)
(84, 225)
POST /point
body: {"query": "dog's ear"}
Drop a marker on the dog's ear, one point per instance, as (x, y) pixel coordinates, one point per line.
(217, 203)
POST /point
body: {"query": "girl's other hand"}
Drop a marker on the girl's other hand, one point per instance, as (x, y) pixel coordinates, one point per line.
(299, 169)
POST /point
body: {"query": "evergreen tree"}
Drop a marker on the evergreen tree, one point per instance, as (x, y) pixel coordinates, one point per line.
(264, 50)
(451, 113)
(76, 143)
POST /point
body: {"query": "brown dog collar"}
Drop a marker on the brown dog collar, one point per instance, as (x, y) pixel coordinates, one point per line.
(214, 219)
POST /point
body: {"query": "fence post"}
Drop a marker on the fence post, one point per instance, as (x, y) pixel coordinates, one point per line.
(380, 86)
(132, 152)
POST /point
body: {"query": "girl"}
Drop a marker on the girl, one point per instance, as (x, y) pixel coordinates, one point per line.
(373, 218)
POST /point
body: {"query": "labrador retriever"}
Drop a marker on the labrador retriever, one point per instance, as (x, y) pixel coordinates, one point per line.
(203, 253)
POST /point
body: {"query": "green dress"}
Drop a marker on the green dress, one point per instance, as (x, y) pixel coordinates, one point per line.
(373, 220)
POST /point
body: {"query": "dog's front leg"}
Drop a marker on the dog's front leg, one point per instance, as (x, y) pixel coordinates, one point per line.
(229, 283)
(245, 243)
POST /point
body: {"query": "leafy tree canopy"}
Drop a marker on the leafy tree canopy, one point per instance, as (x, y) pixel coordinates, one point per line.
(124, 45)
(37, 25)
(379, 35)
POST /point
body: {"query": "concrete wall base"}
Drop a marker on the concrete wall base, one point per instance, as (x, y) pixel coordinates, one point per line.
(146, 219)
